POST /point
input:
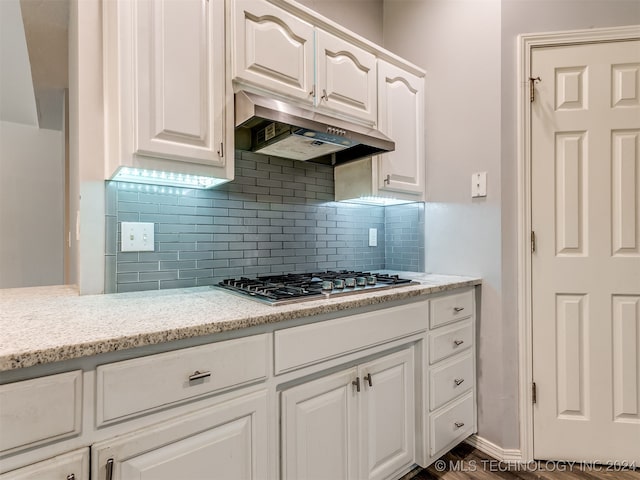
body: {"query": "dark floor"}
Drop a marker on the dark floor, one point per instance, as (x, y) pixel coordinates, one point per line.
(466, 463)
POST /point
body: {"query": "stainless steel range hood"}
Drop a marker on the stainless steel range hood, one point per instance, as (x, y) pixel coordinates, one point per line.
(273, 127)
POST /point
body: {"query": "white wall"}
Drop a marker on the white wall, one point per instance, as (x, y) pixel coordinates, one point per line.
(31, 206)
(468, 48)
(363, 17)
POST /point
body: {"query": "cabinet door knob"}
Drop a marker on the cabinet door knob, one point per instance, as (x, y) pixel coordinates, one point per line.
(198, 375)
(458, 342)
(324, 96)
(459, 424)
(367, 378)
(458, 381)
(356, 383)
(387, 180)
(71, 477)
(458, 309)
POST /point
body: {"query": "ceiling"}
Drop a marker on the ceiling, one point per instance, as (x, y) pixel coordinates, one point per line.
(46, 25)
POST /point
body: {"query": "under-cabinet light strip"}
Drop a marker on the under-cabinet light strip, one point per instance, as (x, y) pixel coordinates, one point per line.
(158, 177)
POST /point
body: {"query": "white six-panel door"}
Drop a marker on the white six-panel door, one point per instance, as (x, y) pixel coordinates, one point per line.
(586, 268)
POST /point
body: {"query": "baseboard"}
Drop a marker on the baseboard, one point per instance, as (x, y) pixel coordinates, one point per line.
(509, 455)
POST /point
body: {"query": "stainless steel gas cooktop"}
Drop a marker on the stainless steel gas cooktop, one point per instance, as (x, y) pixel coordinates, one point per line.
(298, 287)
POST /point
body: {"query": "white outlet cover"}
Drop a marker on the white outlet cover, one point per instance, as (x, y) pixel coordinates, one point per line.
(137, 237)
(373, 237)
(479, 184)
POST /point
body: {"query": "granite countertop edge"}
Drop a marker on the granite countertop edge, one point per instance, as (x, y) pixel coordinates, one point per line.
(52, 324)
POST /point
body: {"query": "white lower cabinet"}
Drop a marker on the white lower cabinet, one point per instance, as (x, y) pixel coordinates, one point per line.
(452, 376)
(229, 441)
(69, 466)
(356, 423)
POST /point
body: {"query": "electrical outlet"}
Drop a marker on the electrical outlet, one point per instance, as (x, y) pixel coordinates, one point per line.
(373, 237)
(479, 184)
(136, 237)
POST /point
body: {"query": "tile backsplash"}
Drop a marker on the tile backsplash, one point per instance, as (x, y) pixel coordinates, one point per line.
(277, 216)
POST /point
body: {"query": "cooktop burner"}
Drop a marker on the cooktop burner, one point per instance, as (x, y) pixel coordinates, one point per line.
(297, 287)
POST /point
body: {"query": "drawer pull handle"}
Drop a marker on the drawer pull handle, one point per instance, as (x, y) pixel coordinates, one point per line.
(367, 378)
(198, 375)
(71, 477)
(459, 424)
(458, 309)
(458, 381)
(356, 383)
(458, 342)
(109, 469)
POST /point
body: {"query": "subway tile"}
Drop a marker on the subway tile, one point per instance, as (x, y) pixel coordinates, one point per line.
(227, 221)
(177, 265)
(196, 237)
(195, 219)
(127, 256)
(195, 202)
(185, 283)
(235, 212)
(195, 273)
(215, 229)
(159, 218)
(211, 246)
(157, 256)
(175, 228)
(269, 198)
(179, 209)
(128, 217)
(110, 274)
(165, 275)
(220, 263)
(243, 246)
(177, 247)
(137, 287)
(204, 255)
(230, 272)
(222, 254)
(124, 267)
(111, 235)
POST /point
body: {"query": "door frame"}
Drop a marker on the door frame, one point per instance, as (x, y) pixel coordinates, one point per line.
(526, 44)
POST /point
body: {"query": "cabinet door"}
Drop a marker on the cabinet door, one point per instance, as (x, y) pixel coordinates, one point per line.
(179, 79)
(387, 415)
(224, 441)
(346, 80)
(273, 50)
(401, 118)
(319, 429)
(69, 466)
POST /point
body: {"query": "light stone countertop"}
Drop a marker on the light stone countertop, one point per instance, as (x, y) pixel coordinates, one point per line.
(41, 325)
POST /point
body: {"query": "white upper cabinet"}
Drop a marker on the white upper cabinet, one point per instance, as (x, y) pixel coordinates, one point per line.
(401, 117)
(346, 78)
(165, 85)
(277, 52)
(273, 50)
(400, 174)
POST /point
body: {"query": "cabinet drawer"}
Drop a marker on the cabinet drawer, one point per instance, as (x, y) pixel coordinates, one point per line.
(40, 410)
(142, 384)
(308, 344)
(449, 341)
(452, 424)
(450, 380)
(452, 307)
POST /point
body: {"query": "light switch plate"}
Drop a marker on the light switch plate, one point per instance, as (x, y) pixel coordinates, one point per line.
(373, 237)
(136, 237)
(479, 184)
